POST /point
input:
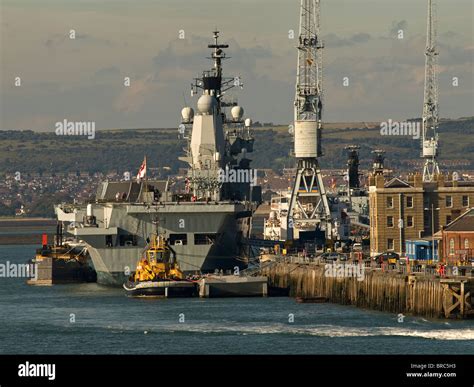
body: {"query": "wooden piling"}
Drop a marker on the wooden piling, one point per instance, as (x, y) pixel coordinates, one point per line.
(422, 295)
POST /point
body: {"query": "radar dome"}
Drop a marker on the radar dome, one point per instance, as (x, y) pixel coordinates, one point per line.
(237, 112)
(187, 114)
(206, 103)
(248, 122)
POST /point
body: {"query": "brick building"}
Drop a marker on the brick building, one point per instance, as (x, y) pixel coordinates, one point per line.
(409, 210)
(458, 238)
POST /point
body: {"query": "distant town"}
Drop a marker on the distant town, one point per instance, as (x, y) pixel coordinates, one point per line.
(34, 194)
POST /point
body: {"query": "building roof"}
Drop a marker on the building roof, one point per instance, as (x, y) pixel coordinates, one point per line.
(397, 183)
(465, 222)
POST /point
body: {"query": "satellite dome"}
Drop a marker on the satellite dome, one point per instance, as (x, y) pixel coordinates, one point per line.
(237, 112)
(248, 122)
(187, 114)
(206, 103)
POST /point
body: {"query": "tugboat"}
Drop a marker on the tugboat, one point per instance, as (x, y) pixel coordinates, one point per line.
(158, 274)
(63, 262)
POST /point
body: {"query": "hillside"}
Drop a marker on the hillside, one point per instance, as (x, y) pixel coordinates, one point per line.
(122, 150)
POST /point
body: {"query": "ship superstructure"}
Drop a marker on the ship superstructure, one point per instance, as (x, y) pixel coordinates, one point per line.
(206, 224)
(219, 143)
(275, 226)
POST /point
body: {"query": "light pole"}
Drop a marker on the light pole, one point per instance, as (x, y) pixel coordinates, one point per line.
(432, 230)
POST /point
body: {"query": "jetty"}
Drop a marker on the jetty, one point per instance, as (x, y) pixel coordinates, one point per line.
(395, 291)
(233, 286)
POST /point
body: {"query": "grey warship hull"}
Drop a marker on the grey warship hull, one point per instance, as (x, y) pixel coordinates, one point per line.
(204, 236)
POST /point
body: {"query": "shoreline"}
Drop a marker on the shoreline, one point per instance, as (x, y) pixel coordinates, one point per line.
(25, 219)
(30, 240)
(25, 231)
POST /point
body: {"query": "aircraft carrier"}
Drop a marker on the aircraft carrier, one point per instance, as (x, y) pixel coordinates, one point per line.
(207, 222)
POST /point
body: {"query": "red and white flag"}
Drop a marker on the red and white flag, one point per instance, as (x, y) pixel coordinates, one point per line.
(142, 171)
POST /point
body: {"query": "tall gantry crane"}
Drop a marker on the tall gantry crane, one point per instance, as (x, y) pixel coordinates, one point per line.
(309, 206)
(430, 116)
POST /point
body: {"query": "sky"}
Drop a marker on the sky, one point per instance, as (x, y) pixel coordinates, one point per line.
(82, 79)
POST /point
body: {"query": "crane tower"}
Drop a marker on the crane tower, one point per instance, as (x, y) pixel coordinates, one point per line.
(309, 207)
(430, 104)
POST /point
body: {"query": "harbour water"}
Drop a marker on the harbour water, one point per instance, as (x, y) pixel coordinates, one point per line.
(90, 319)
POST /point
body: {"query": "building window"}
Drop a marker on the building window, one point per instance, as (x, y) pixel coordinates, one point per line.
(451, 246)
(409, 201)
(389, 221)
(389, 202)
(409, 221)
(449, 201)
(448, 219)
(178, 239)
(465, 201)
(389, 244)
(466, 244)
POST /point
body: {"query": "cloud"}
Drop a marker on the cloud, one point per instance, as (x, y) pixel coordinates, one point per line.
(133, 97)
(84, 78)
(332, 40)
(181, 55)
(105, 73)
(397, 26)
(455, 55)
(187, 57)
(58, 40)
(449, 35)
